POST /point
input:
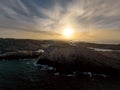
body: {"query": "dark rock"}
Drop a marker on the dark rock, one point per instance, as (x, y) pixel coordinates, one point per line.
(66, 58)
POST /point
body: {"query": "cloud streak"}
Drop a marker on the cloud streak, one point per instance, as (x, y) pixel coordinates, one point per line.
(51, 16)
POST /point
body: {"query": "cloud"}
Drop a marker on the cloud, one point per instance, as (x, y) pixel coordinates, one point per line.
(51, 16)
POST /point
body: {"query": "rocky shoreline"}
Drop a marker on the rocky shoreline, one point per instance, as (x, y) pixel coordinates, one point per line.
(21, 54)
(66, 59)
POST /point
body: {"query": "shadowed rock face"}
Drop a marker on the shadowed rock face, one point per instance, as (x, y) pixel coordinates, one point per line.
(66, 58)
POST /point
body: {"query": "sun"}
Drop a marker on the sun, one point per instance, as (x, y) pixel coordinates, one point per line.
(68, 32)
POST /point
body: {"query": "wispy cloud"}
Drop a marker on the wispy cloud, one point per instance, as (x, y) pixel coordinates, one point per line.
(50, 16)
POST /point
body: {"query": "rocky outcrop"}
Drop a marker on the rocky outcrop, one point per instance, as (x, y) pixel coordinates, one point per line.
(21, 54)
(67, 58)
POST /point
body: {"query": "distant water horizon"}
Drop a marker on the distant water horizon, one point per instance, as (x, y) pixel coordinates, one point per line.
(77, 40)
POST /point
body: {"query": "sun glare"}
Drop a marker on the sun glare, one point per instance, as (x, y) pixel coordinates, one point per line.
(68, 32)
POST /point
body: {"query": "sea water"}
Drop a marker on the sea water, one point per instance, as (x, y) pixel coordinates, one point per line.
(16, 74)
(25, 75)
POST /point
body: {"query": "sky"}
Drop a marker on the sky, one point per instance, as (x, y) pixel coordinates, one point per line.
(91, 20)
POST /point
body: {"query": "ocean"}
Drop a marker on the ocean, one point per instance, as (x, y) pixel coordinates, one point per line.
(19, 74)
(25, 75)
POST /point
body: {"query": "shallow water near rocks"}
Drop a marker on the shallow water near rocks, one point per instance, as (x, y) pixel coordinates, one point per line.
(25, 75)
